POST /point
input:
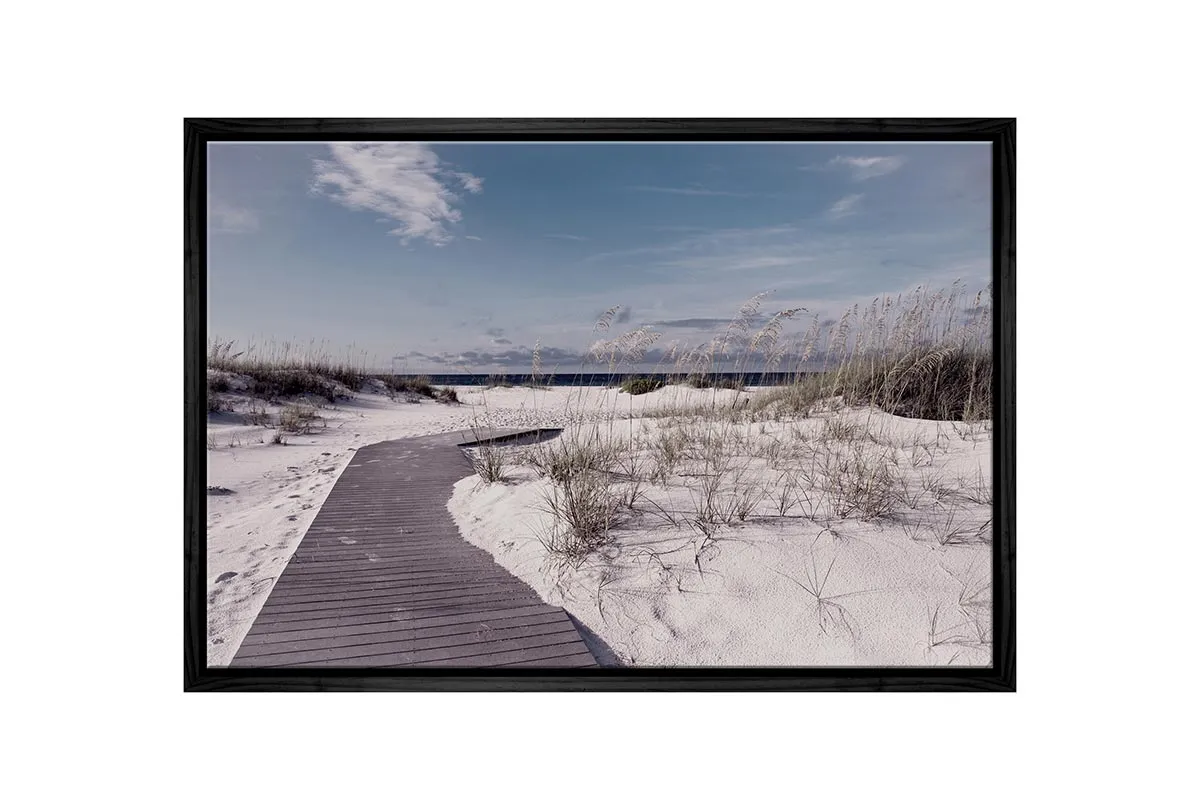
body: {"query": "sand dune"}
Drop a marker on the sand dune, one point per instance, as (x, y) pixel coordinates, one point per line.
(767, 590)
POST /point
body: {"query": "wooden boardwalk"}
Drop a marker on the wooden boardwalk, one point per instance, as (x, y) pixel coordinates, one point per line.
(383, 578)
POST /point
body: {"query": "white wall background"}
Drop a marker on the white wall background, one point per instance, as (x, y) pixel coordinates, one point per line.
(92, 457)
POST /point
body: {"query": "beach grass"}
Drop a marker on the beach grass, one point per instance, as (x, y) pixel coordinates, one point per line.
(652, 477)
(925, 355)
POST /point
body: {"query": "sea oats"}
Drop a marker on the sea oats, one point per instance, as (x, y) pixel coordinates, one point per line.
(537, 360)
(605, 319)
(812, 338)
(765, 339)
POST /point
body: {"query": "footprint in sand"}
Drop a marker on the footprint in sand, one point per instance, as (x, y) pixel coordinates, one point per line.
(228, 575)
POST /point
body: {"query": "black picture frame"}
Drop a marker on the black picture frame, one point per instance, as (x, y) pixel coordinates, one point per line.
(1001, 676)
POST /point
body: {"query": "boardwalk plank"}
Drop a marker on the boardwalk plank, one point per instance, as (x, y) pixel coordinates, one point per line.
(499, 653)
(527, 613)
(383, 578)
(420, 638)
(450, 603)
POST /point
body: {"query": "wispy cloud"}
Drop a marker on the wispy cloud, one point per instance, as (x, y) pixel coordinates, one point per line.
(747, 259)
(223, 218)
(845, 206)
(700, 240)
(470, 182)
(570, 236)
(473, 238)
(406, 182)
(864, 168)
(693, 191)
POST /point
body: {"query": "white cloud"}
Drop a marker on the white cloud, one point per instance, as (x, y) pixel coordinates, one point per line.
(864, 168)
(405, 182)
(470, 182)
(474, 238)
(570, 236)
(845, 206)
(224, 218)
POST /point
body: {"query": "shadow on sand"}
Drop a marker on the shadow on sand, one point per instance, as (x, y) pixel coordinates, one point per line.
(605, 656)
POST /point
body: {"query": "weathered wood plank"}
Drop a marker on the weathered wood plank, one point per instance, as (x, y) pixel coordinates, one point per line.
(383, 577)
(528, 612)
(499, 653)
(421, 638)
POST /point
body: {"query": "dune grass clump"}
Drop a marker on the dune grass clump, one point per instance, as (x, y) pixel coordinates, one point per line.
(581, 501)
(417, 385)
(290, 369)
(926, 356)
(859, 483)
(217, 384)
(707, 381)
(489, 462)
(299, 417)
(591, 451)
(271, 384)
(256, 414)
(641, 385)
(413, 388)
(582, 507)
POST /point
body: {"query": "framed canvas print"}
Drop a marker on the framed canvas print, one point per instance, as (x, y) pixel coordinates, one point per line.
(591, 404)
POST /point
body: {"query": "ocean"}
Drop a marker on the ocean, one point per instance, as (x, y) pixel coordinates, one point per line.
(751, 378)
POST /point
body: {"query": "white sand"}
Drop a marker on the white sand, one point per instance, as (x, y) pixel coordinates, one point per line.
(658, 596)
(887, 598)
(277, 489)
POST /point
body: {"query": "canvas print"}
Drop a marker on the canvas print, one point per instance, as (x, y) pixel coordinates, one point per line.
(599, 404)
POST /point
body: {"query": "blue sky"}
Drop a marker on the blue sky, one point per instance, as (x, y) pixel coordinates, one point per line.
(459, 256)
